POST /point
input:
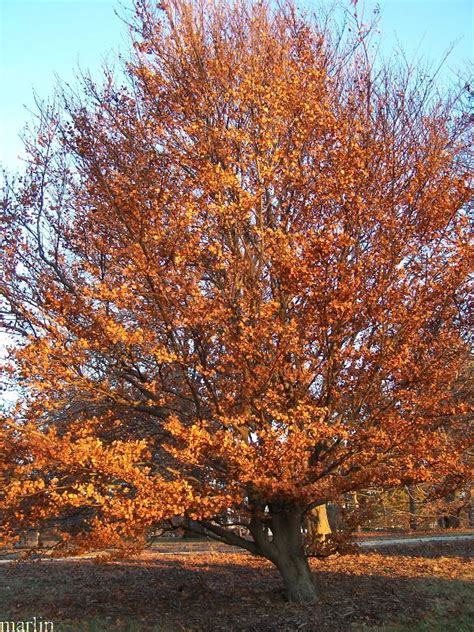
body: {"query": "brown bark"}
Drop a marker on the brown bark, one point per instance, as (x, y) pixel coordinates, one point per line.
(288, 554)
(187, 531)
(470, 516)
(297, 578)
(355, 500)
(277, 535)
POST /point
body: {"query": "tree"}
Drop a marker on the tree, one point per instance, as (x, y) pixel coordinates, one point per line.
(239, 285)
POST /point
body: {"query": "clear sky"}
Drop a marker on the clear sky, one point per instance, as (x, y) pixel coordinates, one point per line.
(44, 38)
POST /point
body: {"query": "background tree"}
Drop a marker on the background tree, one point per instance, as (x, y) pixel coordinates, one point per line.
(239, 285)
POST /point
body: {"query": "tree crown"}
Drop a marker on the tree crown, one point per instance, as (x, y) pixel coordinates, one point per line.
(239, 279)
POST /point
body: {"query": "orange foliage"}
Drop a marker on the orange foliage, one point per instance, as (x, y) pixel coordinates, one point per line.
(239, 281)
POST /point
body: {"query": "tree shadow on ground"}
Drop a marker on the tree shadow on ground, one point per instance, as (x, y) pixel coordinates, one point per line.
(236, 592)
(431, 550)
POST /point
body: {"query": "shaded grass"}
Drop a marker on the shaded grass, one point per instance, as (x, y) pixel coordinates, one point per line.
(449, 608)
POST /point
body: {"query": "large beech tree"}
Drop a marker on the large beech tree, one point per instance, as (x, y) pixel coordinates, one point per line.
(239, 285)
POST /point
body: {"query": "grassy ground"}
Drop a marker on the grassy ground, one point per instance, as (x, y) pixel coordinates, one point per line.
(407, 589)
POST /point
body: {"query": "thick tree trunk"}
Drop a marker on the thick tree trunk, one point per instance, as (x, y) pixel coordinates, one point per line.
(187, 532)
(317, 525)
(297, 578)
(277, 535)
(286, 551)
(319, 518)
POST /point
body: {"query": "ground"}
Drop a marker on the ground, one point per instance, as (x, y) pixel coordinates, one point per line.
(197, 587)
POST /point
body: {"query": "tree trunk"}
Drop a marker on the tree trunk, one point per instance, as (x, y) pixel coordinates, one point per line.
(277, 535)
(355, 500)
(187, 533)
(323, 526)
(470, 516)
(450, 518)
(412, 508)
(286, 551)
(336, 523)
(297, 578)
(317, 523)
(39, 540)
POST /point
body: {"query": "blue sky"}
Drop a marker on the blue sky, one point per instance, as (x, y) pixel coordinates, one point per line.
(44, 38)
